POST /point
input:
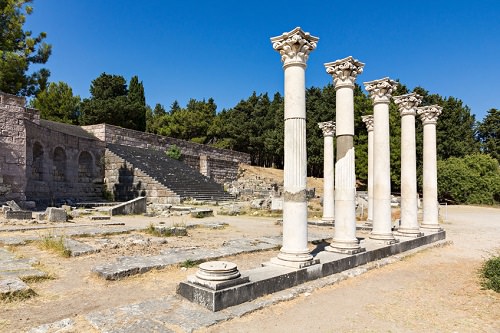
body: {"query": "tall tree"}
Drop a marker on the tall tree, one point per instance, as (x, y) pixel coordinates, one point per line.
(137, 104)
(19, 49)
(489, 134)
(57, 103)
(110, 103)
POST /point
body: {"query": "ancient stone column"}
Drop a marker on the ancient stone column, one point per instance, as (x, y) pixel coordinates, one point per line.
(407, 105)
(344, 73)
(429, 116)
(294, 47)
(368, 120)
(328, 129)
(380, 93)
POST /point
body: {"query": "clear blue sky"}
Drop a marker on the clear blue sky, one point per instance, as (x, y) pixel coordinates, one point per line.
(221, 49)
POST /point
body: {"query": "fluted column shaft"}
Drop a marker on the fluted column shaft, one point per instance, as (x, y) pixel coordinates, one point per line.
(380, 92)
(368, 120)
(294, 47)
(344, 73)
(295, 167)
(328, 129)
(407, 105)
(429, 115)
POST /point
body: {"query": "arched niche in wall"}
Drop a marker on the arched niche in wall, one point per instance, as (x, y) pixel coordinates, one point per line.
(85, 167)
(37, 162)
(59, 165)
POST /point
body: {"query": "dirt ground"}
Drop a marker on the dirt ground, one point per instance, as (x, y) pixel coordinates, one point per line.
(436, 290)
(433, 291)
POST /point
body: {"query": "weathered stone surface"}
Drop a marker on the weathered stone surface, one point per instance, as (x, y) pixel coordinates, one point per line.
(78, 248)
(56, 214)
(65, 325)
(126, 266)
(11, 266)
(134, 206)
(13, 286)
(100, 217)
(13, 205)
(18, 215)
(200, 213)
(171, 231)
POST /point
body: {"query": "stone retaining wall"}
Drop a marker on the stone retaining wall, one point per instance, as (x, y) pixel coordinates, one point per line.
(13, 116)
(60, 166)
(221, 164)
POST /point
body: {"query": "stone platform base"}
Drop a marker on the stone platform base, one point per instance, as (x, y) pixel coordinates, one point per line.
(269, 279)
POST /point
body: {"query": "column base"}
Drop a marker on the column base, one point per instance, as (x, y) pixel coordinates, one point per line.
(384, 238)
(411, 234)
(327, 220)
(345, 247)
(431, 227)
(292, 264)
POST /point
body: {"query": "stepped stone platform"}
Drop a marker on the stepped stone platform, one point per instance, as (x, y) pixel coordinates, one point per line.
(272, 278)
(174, 175)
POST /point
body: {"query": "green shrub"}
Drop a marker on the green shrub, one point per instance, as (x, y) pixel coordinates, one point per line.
(174, 152)
(472, 179)
(490, 274)
(188, 263)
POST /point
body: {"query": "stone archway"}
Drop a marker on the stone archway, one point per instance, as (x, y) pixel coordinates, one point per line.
(37, 162)
(59, 165)
(85, 169)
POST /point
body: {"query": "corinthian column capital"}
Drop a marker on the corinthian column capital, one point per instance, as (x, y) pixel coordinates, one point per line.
(368, 120)
(407, 104)
(344, 71)
(429, 114)
(381, 90)
(328, 128)
(294, 46)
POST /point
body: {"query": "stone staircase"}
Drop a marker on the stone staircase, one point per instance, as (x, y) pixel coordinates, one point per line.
(177, 178)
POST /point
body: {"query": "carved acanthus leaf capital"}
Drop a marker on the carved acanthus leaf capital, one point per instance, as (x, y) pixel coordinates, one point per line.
(407, 104)
(328, 128)
(294, 46)
(429, 114)
(368, 120)
(381, 90)
(344, 71)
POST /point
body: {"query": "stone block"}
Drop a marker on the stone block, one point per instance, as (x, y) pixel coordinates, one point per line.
(134, 206)
(18, 215)
(200, 213)
(56, 214)
(13, 205)
(12, 287)
(276, 204)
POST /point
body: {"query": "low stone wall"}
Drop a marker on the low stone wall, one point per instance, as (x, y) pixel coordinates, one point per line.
(220, 164)
(124, 182)
(135, 206)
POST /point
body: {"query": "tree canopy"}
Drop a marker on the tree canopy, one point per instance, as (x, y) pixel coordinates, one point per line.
(19, 49)
(113, 103)
(489, 134)
(57, 103)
